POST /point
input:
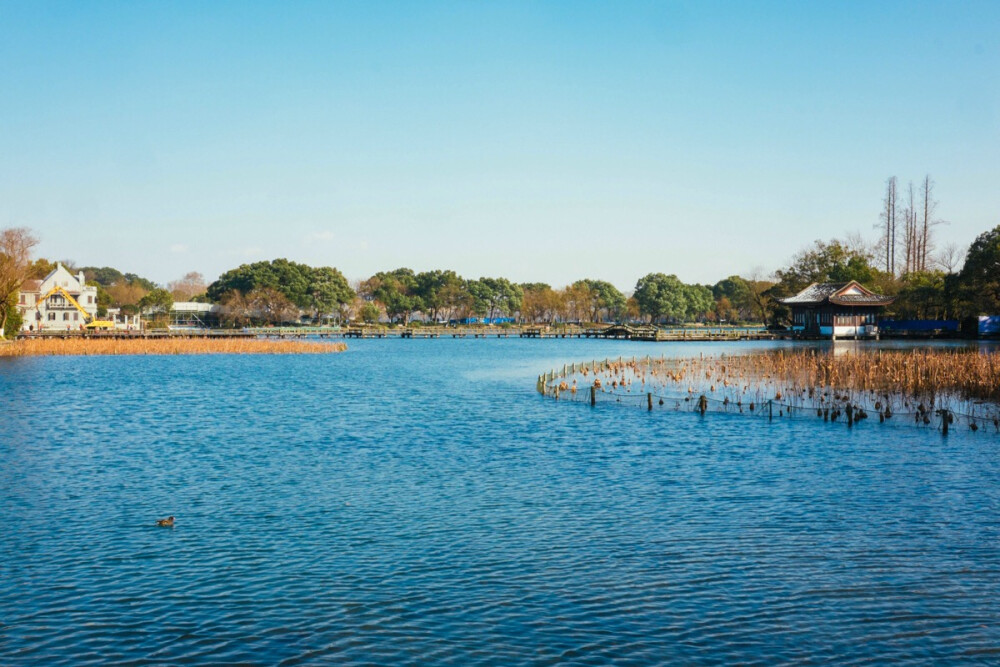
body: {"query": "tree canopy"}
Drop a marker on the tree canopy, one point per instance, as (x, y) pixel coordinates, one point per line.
(16, 244)
(322, 290)
(494, 297)
(157, 301)
(827, 262)
(661, 297)
(981, 274)
(396, 291)
(600, 297)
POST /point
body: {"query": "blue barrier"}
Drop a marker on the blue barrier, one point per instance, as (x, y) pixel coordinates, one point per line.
(918, 325)
(989, 325)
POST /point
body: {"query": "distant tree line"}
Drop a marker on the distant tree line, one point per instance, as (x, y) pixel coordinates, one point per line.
(942, 285)
(277, 291)
(280, 291)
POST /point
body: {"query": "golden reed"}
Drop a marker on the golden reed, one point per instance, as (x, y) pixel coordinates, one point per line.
(963, 373)
(96, 346)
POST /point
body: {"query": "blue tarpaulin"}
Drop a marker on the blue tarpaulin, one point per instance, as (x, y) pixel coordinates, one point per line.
(918, 325)
(989, 325)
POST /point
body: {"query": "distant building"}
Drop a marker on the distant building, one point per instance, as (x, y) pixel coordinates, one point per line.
(837, 310)
(194, 315)
(483, 320)
(44, 310)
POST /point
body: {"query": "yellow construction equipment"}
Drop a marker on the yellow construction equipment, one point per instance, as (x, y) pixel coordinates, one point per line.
(90, 322)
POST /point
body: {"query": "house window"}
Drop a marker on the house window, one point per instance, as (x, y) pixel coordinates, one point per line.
(76, 317)
(90, 299)
(23, 298)
(65, 317)
(52, 317)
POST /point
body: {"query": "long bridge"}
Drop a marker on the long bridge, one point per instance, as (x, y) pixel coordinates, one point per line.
(615, 332)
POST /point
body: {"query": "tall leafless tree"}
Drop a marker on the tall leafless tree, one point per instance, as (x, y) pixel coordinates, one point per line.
(15, 264)
(926, 239)
(888, 217)
(909, 230)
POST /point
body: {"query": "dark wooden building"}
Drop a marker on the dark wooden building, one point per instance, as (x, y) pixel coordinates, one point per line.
(837, 310)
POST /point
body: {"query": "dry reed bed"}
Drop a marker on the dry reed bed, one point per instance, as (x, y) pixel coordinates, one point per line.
(172, 346)
(887, 382)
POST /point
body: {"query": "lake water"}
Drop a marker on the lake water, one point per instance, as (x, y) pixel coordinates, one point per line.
(417, 502)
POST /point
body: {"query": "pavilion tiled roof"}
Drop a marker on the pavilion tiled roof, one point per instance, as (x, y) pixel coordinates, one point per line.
(840, 294)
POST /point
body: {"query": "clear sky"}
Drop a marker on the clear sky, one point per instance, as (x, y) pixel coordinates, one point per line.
(542, 141)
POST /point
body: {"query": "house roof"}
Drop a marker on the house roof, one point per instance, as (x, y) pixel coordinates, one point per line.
(850, 293)
(31, 286)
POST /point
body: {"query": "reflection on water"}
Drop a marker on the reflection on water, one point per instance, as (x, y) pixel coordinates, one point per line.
(418, 502)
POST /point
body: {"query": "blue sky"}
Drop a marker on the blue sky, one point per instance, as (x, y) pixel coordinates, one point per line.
(539, 140)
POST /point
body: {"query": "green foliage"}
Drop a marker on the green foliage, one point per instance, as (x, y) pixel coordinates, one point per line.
(328, 290)
(831, 262)
(980, 277)
(438, 291)
(369, 313)
(322, 290)
(733, 288)
(156, 301)
(700, 302)
(103, 300)
(104, 275)
(494, 297)
(661, 297)
(736, 299)
(396, 291)
(133, 279)
(922, 296)
(10, 317)
(40, 268)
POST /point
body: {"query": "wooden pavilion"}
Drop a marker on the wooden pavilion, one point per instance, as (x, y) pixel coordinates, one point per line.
(837, 310)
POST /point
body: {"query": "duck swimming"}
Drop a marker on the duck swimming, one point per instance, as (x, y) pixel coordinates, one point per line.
(166, 523)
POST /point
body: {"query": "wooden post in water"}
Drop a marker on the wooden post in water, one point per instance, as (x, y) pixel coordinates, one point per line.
(770, 409)
(702, 404)
(850, 414)
(593, 395)
(649, 400)
(945, 418)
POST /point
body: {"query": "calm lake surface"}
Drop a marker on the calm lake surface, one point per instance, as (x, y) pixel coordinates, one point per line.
(416, 502)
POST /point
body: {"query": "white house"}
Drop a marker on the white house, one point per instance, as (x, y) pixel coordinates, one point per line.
(56, 313)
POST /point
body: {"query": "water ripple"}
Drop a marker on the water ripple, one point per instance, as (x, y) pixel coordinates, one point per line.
(414, 502)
